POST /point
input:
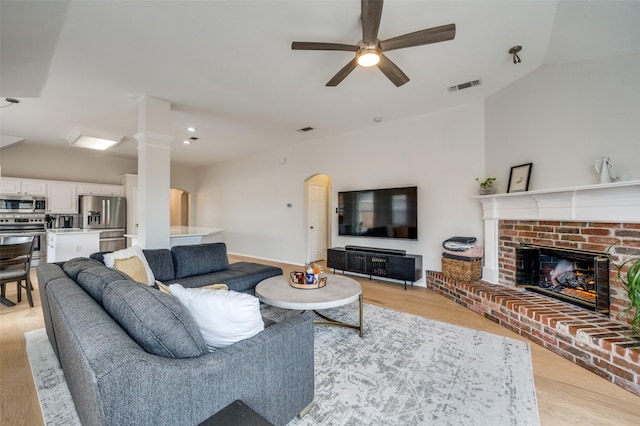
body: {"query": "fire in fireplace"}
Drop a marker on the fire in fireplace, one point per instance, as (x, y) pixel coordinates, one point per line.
(575, 276)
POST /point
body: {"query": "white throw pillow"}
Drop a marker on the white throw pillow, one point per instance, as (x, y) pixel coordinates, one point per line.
(110, 258)
(224, 317)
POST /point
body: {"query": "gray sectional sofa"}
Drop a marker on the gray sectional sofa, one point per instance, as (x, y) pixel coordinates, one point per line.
(204, 264)
(133, 355)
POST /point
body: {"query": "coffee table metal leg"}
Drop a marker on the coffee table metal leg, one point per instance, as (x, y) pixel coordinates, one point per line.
(331, 321)
(361, 329)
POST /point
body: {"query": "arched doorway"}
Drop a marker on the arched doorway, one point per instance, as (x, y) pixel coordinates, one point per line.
(317, 221)
(179, 202)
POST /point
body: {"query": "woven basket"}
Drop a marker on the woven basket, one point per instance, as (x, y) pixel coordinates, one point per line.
(462, 270)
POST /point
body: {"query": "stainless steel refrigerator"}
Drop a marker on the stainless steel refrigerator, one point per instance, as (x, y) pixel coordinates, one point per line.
(108, 213)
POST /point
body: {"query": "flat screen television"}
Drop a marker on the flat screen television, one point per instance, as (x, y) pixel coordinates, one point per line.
(382, 213)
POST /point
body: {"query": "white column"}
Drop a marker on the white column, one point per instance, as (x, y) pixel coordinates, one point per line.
(491, 269)
(154, 178)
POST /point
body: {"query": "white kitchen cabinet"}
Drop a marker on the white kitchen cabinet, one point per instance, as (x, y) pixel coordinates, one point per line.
(23, 186)
(62, 197)
(10, 186)
(34, 187)
(89, 189)
(115, 190)
(98, 189)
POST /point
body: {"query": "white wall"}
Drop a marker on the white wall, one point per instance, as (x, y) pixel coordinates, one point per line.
(564, 117)
(441, 153)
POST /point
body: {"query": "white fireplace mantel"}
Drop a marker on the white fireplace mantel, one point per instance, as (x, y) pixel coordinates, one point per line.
(610, 202)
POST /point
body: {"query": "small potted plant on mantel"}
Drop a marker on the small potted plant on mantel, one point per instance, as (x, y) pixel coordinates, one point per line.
(486, 186)
(629, 274)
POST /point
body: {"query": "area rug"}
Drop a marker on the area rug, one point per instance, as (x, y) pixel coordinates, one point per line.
(53, 393)
(406, 370)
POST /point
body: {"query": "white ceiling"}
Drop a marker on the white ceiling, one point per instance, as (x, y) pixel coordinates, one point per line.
(227, 67)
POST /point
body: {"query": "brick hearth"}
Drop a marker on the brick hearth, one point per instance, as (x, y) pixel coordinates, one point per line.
(589, 339)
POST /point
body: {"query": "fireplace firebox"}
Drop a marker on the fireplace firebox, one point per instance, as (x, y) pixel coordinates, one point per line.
(575, 276)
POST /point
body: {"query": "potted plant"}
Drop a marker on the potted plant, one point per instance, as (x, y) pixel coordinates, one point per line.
(629, 274)
(486, 186)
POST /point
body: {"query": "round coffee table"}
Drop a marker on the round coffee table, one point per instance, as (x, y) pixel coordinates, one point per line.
(339, 291)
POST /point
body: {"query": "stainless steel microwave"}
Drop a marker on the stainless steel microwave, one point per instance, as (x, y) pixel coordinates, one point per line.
(22, 204)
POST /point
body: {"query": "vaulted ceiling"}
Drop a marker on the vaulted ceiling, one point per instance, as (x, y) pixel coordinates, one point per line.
(227, 67)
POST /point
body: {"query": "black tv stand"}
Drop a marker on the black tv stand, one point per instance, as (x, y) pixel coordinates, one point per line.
(374, 261)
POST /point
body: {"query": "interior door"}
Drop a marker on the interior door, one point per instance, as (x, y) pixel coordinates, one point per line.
(317, 232)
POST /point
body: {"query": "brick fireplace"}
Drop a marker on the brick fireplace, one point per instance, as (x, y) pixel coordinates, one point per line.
(585, 219)
(594, 236)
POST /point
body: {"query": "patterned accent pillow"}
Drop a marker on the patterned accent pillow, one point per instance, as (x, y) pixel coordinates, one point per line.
(165, 288)
(133, 267)
(109, 260)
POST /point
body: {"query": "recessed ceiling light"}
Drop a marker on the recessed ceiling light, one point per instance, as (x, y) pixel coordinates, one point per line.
(191, 129)
(186, 141)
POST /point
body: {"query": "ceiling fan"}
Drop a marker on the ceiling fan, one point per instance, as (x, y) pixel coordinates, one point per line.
(369, 50)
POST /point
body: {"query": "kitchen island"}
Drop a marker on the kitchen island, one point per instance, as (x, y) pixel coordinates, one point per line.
(67, 243)
(188, 235)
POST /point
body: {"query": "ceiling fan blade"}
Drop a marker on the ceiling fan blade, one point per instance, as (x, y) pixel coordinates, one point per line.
(418, 38)
(392, 71)
(343, 73)
(371, 15)
(311, 45)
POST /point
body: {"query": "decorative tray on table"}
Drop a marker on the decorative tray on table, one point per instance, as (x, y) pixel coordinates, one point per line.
(319, 283)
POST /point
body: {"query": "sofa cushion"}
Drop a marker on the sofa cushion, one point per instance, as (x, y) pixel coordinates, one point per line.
(95, 279)
(156, 321)
(224, 317)
(74, 266)
(109, 260)
(161, 263)
(241, 276)
(99, 256)
(199, 259)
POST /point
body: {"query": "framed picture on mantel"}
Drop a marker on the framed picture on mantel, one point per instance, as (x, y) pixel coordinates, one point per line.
(519, 178)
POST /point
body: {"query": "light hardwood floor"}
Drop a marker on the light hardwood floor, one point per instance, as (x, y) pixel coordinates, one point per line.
(567, 394)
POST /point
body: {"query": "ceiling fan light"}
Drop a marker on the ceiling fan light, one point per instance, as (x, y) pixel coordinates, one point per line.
(368, 57)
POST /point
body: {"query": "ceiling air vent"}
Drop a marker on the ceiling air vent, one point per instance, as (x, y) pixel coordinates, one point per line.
(305, 129)
(464, 85)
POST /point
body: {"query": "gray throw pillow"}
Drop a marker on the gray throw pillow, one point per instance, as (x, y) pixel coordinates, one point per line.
(156, 321)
